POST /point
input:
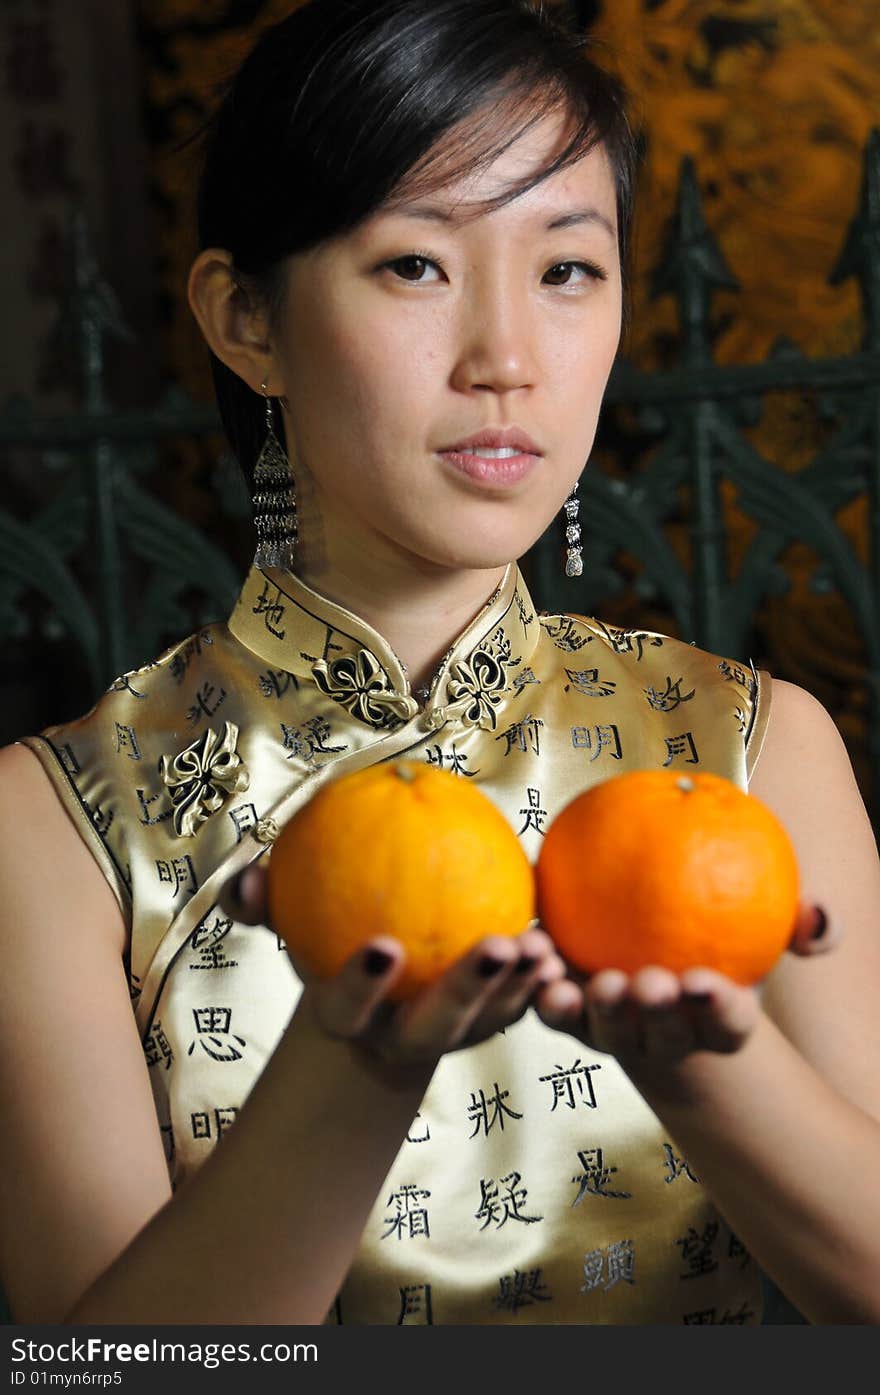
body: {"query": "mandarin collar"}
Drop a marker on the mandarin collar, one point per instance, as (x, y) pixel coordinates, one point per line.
(296, 630)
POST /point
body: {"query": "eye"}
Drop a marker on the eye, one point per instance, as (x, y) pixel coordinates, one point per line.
(413, 267)
(561, 273)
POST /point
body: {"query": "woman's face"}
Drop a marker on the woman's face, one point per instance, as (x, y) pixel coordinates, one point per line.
(419, 329)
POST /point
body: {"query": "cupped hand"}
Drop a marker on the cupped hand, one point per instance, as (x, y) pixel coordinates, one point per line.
(490, 987)
(655, 1018)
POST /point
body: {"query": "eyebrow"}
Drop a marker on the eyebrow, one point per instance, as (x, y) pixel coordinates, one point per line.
(435, 214)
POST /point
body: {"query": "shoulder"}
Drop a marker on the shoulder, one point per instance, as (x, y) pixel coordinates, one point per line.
(801, 746)
(38, 836)
(805, 776)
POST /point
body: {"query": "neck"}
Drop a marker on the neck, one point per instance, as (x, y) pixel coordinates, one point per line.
(419, 607)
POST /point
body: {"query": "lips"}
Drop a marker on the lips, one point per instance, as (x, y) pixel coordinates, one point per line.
(496, 439)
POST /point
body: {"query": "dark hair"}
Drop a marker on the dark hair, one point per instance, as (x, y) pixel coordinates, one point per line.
(342, 101)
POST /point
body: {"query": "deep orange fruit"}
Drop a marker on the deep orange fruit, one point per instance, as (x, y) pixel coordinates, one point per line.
(400, 849)
(656, 867)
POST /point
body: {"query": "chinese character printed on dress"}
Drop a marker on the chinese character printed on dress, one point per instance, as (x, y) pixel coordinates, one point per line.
(696, 1250)
(207, 700)
(503, 1206)
(214, 1035)
(594, 1179)
(535, 815)
(598, 739)
(101, 818)
(274, 683)
(734, 673)
(167, 1131)
(737, 1250)
(486, 1112)
(683, 745)
(572, 1085)
(409, 1219)
(565, 633)
(150, 817)
(677, 1166)
(670, 698)
(207, 941)
(419, 1137)
(454, 760)
(309, 741)
(271, 607)
(521, 1290)
(524, 735)
(630, 641)
(187, 652)
(127, 742)
(707, 1317)
(157, 1046)
(523, 678)
(415, 1306)
(588, 682)
(524, 616)
(244, 818)
(179, 873)
(613, 1265)
(124, 685)
(69, 760)
(213, 1124)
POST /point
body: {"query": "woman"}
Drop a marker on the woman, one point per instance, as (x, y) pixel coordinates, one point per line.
(413, 227)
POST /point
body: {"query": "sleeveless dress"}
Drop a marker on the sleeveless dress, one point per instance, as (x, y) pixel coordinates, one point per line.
(534, 1185)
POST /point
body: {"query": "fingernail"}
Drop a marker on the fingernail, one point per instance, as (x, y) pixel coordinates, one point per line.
(488, 966)
(376, 961)
(821, 924)
(524, 963)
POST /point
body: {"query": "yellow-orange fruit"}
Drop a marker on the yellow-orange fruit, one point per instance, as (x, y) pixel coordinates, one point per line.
(400, 849)
(656, 867)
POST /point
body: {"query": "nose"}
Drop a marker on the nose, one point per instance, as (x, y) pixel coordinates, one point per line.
(497, 349)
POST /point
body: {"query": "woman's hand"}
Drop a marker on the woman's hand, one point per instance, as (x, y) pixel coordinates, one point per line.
(654, 1019)
(487, 989)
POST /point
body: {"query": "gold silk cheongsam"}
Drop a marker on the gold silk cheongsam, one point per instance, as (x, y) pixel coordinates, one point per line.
(535, 1185)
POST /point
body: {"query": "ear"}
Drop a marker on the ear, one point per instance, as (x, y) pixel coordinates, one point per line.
(235, 328)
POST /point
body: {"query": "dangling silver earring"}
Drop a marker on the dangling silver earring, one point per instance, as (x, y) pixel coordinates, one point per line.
(574, 562)
(274, 499)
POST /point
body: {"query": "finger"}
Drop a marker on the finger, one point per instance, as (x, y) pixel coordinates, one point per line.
(348, 1002)
(246, 897)
(813, 932)
(441, 1017)
(665, 1028)
(560, 1005)
(613, 1024)
(723, 1013)
(529, 975)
